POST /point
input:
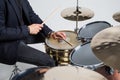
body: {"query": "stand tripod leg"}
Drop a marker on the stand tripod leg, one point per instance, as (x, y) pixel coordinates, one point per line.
(15, 71)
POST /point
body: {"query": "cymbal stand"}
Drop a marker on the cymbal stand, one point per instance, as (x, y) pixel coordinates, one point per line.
(76, 29)
(77, 12)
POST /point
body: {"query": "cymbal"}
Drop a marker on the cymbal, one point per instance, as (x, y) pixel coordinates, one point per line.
(116, 16)
(106, 46)
(72, 73)
(72, 14)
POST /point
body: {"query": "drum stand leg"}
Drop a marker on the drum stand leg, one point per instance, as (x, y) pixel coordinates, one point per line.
(15, 71)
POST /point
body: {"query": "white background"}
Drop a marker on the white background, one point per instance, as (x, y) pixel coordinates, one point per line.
(103, 10)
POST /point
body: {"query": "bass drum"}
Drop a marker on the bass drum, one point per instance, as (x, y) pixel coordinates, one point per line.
(60, 50)
(83, 56)
(89, 30)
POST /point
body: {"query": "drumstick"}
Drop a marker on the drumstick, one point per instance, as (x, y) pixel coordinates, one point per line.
(49, 16)
(68, 42)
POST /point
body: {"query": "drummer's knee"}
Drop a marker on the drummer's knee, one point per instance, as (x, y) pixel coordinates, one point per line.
(51, 63)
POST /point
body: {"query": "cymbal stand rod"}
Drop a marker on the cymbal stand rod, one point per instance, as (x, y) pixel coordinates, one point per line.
(76, 29)
(77, 12)
(77, 6)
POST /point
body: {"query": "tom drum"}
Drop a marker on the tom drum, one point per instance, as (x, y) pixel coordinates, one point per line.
(83, 56)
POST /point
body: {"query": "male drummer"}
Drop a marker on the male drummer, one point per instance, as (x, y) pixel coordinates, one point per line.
(19, 25)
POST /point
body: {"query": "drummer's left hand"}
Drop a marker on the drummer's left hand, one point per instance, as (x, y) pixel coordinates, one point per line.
(58, 35)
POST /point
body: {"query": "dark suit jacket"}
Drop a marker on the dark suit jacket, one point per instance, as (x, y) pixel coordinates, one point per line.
(11, 32)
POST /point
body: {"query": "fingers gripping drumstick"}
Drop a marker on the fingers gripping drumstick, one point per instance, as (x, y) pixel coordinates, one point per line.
(49, 18)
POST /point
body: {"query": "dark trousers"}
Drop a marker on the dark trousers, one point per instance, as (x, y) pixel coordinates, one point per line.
(33, 56)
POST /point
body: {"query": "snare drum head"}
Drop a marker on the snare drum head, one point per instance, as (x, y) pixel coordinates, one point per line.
(83, 56)
(72, 73)
(89, 30)
(71, 37)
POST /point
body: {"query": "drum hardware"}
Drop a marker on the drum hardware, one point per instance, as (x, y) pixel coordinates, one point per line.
(105, 45)
(108, 70)
(65, 59)
(15, 71)
(116, 16)
(84, 41)
(53, 53)
(77, 14)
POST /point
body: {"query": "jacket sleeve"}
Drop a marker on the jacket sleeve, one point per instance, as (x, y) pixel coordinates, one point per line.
(36, 19)
(10, 33)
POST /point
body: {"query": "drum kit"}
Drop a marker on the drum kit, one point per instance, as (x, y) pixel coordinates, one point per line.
(94, 45)
(60, 50)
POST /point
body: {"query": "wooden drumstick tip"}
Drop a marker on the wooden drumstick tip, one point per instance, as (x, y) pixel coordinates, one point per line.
(68, 43)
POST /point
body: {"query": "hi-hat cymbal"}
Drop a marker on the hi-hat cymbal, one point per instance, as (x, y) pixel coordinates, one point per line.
(106, 46)
(72, 73)
(116, 16)
(77, 15)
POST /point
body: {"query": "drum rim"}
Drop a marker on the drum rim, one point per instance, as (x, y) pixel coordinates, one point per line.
(60, 49)
(76, 64)
(84, 26)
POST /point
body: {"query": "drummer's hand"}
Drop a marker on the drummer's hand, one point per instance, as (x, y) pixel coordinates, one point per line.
(58, 35)
(35, 28)
(116, 75)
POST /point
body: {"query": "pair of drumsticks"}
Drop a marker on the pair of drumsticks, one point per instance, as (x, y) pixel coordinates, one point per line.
(49, 18)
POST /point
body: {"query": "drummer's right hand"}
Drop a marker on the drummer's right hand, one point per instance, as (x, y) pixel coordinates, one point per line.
(116, 75)
(35, 28)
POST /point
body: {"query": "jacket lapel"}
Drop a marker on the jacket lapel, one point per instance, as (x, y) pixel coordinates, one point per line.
(16, 9)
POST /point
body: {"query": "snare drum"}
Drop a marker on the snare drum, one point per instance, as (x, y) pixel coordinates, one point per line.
(60, 50)
(87, 31)
(83, 56)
